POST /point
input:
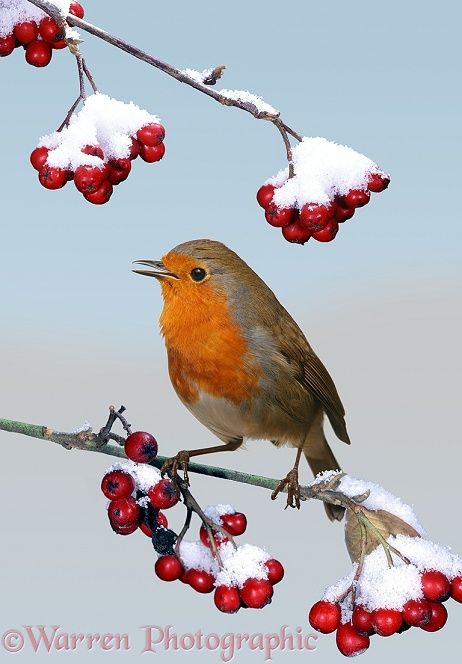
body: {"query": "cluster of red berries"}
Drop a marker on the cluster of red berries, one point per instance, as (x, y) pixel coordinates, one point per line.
(39, 40)
(429, 613)
(96, 182)
(320, 222)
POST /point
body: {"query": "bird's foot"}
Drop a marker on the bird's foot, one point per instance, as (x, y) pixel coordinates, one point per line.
(293, 489)
(180, 460)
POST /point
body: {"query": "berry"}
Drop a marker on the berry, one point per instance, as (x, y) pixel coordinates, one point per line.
(38, 157)
(279, 217)
(141, 447)
(325, 616)
(89, 179)
(386, 621)
(350, 642)
(235, 523)
(93, 150)
(151, 134)
(101, 195)
(343, 213)
(61, 43)
(7, 45)
(315, 217)
(162, 520)
(124, 512)
(362, 620)
(26, 32)
(227, 599)
(120, 169)
(356, 198)
(76, 9)
(38, 53)
(134, 149)
(124, 530)
(200, 580)
(50, 31)
(438, 618)
(256, 593)
(296, 233)
(52, 178)
(378, 182)
(217, 536)
(163, 494)
(435, 586)
(265, 195)
(327, 233)
(456, 588)
(145, 529)
(417, 612)
(152, 153)
(168, 568)
(117, 484)
(275, 571)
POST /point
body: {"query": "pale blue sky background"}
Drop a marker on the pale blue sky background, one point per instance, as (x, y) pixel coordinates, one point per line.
(381, 304)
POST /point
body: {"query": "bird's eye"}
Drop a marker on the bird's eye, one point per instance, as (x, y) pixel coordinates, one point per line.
(198, 274)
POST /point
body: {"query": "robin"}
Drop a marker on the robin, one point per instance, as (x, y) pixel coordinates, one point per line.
(240, 363)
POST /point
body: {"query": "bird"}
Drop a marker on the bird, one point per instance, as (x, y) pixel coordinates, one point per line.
(240, 363)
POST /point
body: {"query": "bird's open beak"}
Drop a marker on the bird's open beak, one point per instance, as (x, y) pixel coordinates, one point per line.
(159, 271)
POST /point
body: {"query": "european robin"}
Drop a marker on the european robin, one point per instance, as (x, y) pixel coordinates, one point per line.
(240, 363)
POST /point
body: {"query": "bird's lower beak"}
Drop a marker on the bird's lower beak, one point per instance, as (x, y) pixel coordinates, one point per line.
(159, 271)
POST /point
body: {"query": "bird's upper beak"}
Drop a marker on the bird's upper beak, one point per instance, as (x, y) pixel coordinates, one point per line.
(159, 271)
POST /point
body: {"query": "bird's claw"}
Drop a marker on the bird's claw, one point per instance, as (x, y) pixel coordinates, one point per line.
(293, 489)
(180, 460)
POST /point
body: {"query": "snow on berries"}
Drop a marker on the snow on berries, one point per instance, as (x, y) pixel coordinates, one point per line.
(329, 183)
(24, 24)
(400, 584)
(97, 148)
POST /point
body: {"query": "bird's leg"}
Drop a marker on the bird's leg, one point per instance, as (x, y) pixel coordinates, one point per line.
(182, 458)
(291, 482)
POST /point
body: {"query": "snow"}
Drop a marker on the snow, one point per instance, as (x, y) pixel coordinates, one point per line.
(322, 170)
(102, 121)
(215, 512)
(198, 76)
(194, 555)
(249, 98)
(16, 11)
(145, 476)
(86, 426)
(245, 562)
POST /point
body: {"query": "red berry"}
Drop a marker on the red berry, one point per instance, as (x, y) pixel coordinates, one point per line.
(279, 217)
(350, 642)
(101, 195)
(7, 45)
(435, 586)
(162, 520)
(124, 512)
(327, 233)
(141, 447)
(200, 580)
(217, 536)
(325, 616)
(378, 182)
(235, 523)
(386, 621)
(315, 217)
(438, 619)
(256, 593)
(38, 157)
(296, 233)
(362, 620)
(124, 530)
(227, 599)
(61, 43)
(134, 149)
(265, 195)
(152, 153)
(89, 179)
(117, 484)
(38, 53)
(26, 32)
(163, 495)
(50, 31)
(417, 612)
(93, 150)
(168, 568)
(356, 198)
(275, 571)
(145, 529)
(151, 134)
(456, 588)
(343, 213)
(52, 178)
(120, 169)
(76, 9)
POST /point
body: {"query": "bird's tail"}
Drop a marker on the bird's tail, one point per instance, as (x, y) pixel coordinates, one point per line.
(320, 457)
